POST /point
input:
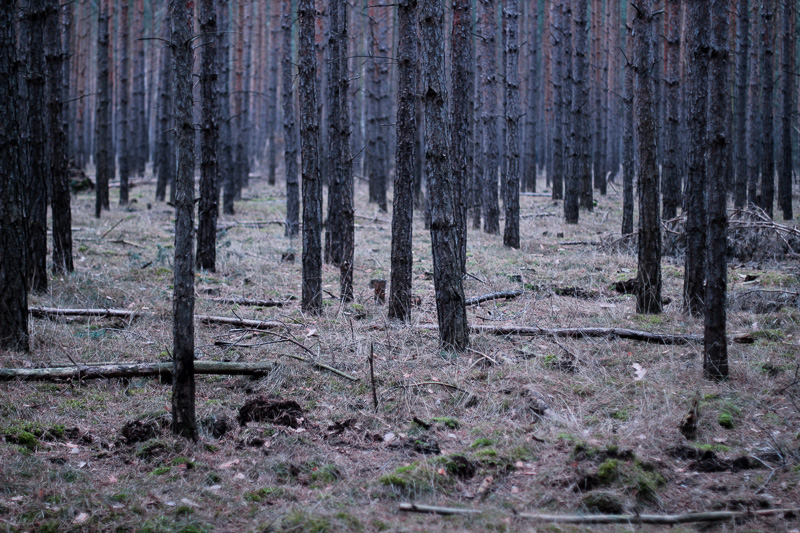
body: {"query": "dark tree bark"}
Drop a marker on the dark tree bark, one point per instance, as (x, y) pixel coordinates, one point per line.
(183, 386)
(37, 167)
(767, 83)
(340, 232)
(140, 130)
(124, 105)
(581, 140)
(13, 240)
(462, 118)
(227, 174)
(557, 129)
(511, 200)
(532, 117)
(787, 88)
(754, 109)
(715, 345)
(309, 140)
(672, 179)
(488, 57)
(241, 164)
(209, 139)
(103, 141)
(742, 53)
(628, 162)
(57, 157)
(695, 208)
(272, 91)
(598, 68)
(377, 149)
(289, 125)
(165, 158)
(648, 297)
(405, 157)
(450, 302)
(572, 180)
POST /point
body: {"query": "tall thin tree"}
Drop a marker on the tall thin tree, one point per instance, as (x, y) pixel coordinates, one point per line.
(450, 303)
(13, 240)
(289, 124)
(672, 183)
(309, 141)
(123, 142)
(405, 158)
(488, 56)
(648, 298)
(183, 384)
(511, 200)
(628, 160)
(103, 141)
(767, 112)
(209, 140)
(742, 73)
(225, 163)
(789, 39)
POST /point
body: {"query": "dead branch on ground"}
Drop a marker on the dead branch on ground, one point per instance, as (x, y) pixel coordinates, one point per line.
(507, 295)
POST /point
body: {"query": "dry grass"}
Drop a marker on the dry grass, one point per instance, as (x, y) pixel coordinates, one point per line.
(316, 478)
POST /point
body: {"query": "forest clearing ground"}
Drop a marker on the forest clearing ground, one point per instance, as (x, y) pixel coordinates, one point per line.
(551, 425)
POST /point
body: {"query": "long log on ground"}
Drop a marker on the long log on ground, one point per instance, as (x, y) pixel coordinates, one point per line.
(494, 296)
(130, 370)
(48, 312)
(241, 322)
(248, 301)
(622, 333)
(686, 518)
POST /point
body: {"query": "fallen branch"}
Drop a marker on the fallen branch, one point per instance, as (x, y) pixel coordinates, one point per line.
(536, 194)
(129, 370)
(241, 322)
(48, 312)
(578, 243)
(622, 333)
(494, 296)
(321, 366)
(686, 518)
(251, 224)
(247, 301)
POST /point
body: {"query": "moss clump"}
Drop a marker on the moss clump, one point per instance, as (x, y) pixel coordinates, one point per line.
(447, 422)
(321, 476)
(300, 521)
(608, 472)
(161, 470)
(265, 493)
(725, 419)
(25, 439)
(482, 442)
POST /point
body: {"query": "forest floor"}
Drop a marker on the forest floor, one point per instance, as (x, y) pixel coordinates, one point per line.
(521, 424)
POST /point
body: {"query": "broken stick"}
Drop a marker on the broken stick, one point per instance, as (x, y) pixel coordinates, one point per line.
(494, 296)
(129, 370)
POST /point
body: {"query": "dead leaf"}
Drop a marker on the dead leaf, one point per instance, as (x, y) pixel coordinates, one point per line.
(638, 372)
(81, 518)
(229, 464)
(239, 476)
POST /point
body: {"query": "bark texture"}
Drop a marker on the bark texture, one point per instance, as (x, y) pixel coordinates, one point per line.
(165, 157)
(289, 125)
(103, 141)
(754, 109)
(309, 141)
(715, 345)
(377, 148)
(13, 240)
(57, 157)
(742, 73)
(767, 113)
(209, 139)
(788, 39)
(648, 297)
(488, 38)
(695, 208)
(405, 158)
(672, 181)
(450, 303)
(183, 382)
(226, 170)
(628, 163)
(557, 126)
(123, 144)
(511, 200)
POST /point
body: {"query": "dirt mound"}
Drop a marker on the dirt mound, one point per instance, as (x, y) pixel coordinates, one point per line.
(280, 412)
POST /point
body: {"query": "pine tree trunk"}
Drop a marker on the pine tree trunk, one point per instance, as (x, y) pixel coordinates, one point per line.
(405, 159)
(628, 163)
(787, 88)
(532, 117)
(13, 240)
(183, 386)
(140, 130)
(124, 105)
(511, 200)
(36, 143)
(57, 156)
(767, 125)
(462, 118)
(240, 163)
(742, 52)
(226, 168)
(272, 91)
(165, 160)
(289, 125)
(754, 109)
(672, 180)
(490, 202)
(309, 141)
(209, 139)
(580, 108)
(573, 183)
(332, 246)
(696, 217)
(648, 298)
(715, 345)
(450, 302)
(103, 153)
(597, 163)
(377, 154)
(557, 128)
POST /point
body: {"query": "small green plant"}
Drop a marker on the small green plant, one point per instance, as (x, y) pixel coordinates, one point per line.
(725, 419)
(161, 470)
(265, 493)
(608, 471)
(447, 422)
(482, 442)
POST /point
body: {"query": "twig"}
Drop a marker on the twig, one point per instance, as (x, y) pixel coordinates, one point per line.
(247, 301)
(241, 322)
(494, 296)
(372, 377)
(322, 366)
(109, 230)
